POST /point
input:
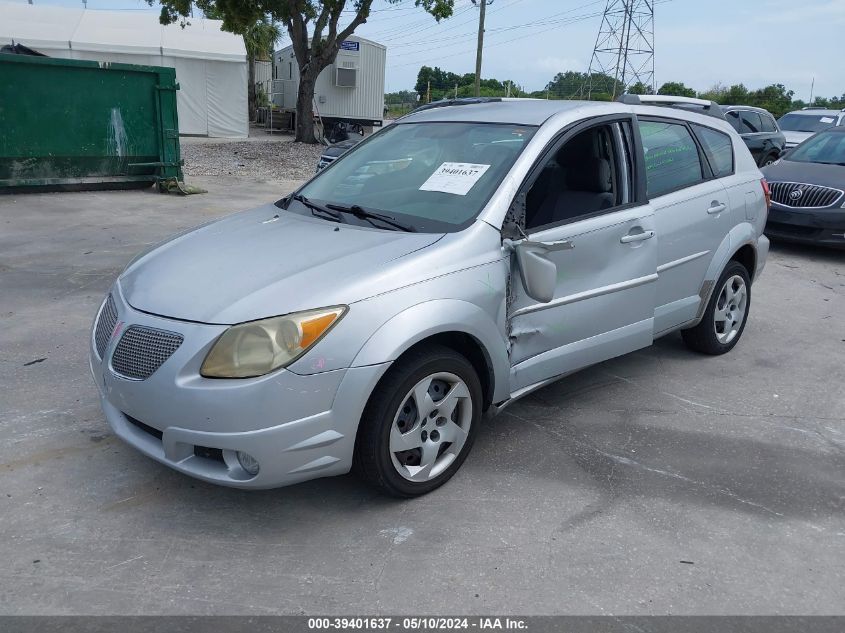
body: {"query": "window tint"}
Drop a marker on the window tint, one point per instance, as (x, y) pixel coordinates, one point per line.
(733, 119)
(718, 149)
(671, 157)
(751, 123)
(768, 123)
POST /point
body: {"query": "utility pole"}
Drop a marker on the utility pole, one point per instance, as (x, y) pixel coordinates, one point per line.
(482, 4)
(812, 90)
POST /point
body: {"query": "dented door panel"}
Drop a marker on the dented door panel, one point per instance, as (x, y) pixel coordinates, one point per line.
(604, 302)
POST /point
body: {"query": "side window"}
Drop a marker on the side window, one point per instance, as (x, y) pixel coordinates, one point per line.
(671, 157)
(768, 123)
(717, 148)
(751, 123)
(733, 119)
(582, 177)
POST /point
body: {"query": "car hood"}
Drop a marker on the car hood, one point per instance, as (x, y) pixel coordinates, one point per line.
(810, 173)
(262, 263)
(794, 138)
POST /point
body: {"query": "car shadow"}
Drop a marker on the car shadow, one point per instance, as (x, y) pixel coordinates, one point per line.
(809, 251)
(658, 449)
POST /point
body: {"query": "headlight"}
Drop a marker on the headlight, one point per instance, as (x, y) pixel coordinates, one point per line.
(259, 347)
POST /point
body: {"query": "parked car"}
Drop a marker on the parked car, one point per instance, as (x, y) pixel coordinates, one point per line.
(800, 125)
(335, 151)
(759, 131)
(448, 265)
(808, 191)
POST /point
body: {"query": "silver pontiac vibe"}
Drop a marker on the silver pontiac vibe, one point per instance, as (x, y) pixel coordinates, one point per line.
(444, 267)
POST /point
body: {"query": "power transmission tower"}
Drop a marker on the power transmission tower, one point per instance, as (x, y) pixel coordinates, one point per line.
(624, 52)
(483, 6)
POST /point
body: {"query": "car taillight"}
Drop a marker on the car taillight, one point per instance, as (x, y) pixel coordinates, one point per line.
(766, 192)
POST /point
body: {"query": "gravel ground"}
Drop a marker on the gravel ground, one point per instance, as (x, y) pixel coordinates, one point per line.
(270, 159)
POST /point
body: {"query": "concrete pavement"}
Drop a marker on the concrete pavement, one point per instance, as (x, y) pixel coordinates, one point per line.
(660, 482)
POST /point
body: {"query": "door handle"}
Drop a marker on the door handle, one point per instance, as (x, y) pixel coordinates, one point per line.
(637, 237)
(716, 207)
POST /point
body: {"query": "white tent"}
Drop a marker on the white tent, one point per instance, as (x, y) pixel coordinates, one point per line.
(210, 64)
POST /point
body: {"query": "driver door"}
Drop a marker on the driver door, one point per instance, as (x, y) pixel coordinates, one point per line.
(586, 212)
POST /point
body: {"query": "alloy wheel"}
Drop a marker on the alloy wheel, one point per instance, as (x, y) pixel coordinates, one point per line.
(431, 427)
(731, 307)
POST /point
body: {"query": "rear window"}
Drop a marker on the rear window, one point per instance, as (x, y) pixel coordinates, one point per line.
(717, 148)
(671, 157)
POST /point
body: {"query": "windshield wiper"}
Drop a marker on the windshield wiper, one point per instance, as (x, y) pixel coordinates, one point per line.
(316, 208)
(362, 214)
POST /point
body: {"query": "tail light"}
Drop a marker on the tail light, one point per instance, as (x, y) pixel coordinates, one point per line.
(767, 193)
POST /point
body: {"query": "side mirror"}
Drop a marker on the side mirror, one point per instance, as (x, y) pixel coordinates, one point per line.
(538, 274)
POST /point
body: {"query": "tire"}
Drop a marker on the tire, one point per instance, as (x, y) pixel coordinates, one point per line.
(767, 160)
(729, 306)
(406, 454)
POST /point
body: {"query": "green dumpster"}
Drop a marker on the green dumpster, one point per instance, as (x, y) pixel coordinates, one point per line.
(74, 124)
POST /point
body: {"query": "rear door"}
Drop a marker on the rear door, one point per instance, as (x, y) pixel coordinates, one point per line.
(692, 215)
(604, 246)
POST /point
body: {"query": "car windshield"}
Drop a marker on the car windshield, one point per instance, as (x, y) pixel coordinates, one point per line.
(806, 122)
(825, 147)
(432, 176)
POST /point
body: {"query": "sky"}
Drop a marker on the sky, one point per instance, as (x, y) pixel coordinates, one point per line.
(699, 42)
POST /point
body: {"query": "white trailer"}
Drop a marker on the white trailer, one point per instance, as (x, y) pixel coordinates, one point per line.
(351, 90)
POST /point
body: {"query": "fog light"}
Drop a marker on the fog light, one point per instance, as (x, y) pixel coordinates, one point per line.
(248, 463)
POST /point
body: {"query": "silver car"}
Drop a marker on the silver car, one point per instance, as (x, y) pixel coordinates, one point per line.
(444, 267)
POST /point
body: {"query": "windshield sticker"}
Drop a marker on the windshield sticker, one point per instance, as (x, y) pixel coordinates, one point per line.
(826, 119)
(456, 178)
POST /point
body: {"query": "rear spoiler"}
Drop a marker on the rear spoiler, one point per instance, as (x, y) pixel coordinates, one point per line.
(710, 108)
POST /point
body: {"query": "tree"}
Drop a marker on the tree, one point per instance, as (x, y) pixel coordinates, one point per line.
(259, 41)
(675, 89)
(314, 51)
(639, 88)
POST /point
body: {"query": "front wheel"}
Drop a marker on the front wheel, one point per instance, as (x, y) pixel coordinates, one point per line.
(420, 423)
(726, 314)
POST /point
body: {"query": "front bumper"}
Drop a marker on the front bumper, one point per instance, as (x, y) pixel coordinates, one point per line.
(807, 226)
(297, 427)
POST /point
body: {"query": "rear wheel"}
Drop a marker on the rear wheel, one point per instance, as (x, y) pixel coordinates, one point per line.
(768, 160)
(420, 423)
(726, 313)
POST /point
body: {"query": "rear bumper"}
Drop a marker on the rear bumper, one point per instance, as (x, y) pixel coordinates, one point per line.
(807, 226)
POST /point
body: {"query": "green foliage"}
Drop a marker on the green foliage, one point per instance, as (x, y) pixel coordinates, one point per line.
(774, 98)
(444, 83)
(675, 89)
(639, 88)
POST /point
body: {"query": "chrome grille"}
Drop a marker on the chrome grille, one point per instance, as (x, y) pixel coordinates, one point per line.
(804, 196)
(141, 350)
(105, 326)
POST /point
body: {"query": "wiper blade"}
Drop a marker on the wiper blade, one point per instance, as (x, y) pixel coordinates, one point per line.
(363, 214)
(316, 208)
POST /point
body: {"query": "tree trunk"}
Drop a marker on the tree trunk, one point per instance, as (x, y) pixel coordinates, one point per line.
(250, 92)
(305, 108)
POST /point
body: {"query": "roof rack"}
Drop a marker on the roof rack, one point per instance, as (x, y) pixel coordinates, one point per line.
(710, 108)
(455, 102)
